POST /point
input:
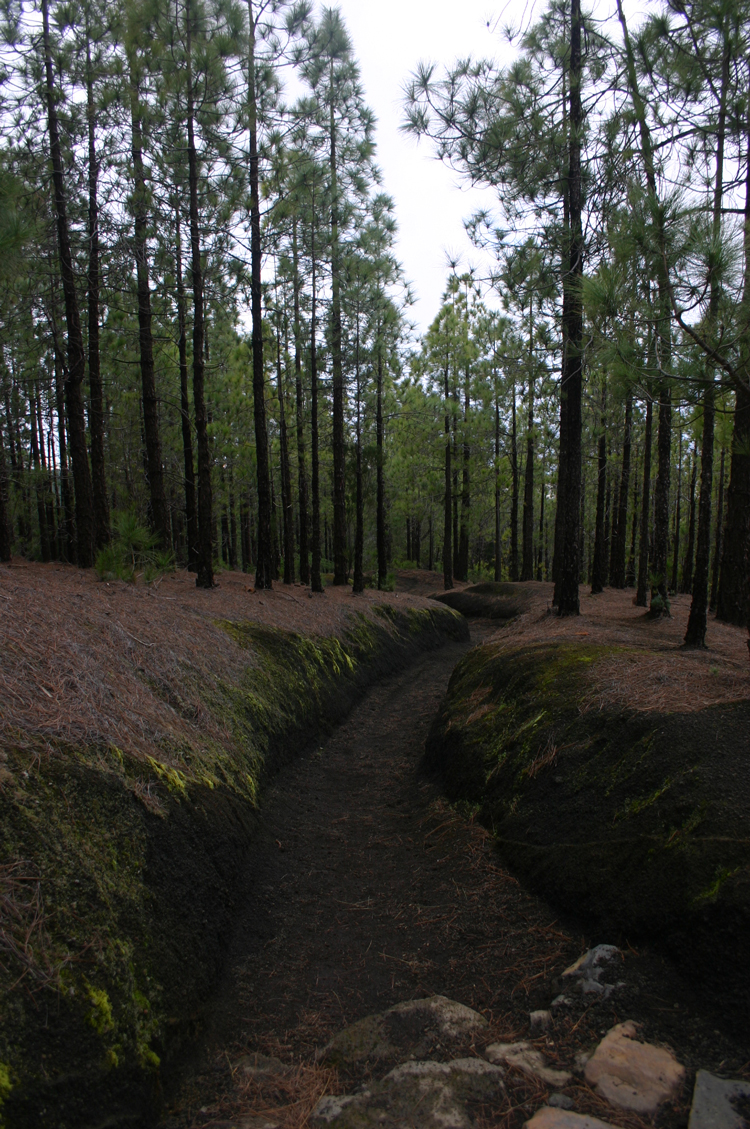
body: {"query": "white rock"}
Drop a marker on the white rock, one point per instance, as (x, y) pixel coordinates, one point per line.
(633, 1075)
(587, 970)
(259, 1066)
(531, 1061)
(547, 1118)
(712, 1102)
(539, 1021)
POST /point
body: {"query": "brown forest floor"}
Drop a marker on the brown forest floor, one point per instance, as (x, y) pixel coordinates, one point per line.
(365, 887)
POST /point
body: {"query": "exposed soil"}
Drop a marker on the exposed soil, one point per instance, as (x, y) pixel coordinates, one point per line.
(368, 889)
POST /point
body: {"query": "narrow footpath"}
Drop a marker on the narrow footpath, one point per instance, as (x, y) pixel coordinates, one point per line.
(367, 889)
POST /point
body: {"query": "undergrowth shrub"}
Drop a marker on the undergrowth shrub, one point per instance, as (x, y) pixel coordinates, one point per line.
(133, 550)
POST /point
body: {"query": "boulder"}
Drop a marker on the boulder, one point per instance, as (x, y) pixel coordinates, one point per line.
(539, 1021)
(422, 1095)
(715, 1103)
(259, 1066)
(529, 1060)
(633, 1075)
(416, 1028)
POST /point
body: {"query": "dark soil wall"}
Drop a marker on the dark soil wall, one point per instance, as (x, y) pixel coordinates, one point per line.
(119, 877)
(637, 823)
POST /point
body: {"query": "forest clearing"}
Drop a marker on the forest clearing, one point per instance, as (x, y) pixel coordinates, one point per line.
(374, 608)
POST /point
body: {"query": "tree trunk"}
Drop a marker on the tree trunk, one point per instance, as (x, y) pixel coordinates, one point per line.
(598, 572)
(359, 535)
(630, 571)
(205, 568)
(316, 581)
(687, 564)
(617, 578)
(264, 560)
(302, 506)
(463, 545)
(340, 570)
(286, 476)
(514, 491)
(6, 536)
(448, 502)
(380, 468)
(96, 411)
(718, 535)
(568, 574)
(659, 594)
(498, 571)
(641, 594)
(677, 519)
(695, 636)
(84, 498)
(191, 513)
(527, 552)
(154, 470)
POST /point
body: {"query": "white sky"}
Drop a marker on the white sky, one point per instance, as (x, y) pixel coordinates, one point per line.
(390, 37)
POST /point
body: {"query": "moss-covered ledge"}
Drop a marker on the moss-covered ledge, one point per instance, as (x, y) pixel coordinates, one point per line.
(636, 822)
(119, 872)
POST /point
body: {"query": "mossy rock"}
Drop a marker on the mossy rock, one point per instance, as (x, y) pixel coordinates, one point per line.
(126, 870)
(634, 822)
(488, 600)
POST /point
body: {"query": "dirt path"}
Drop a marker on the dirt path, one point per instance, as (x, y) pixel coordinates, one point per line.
(368, 890)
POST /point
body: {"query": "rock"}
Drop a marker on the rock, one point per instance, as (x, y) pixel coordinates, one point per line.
(422, 1095)
(560, 1101)
(415, 1028)
(587, 970)
(526, 1058)
(539, 1021)
(713, 1102)
(560, 1002)
(632, 1075)
(259, 1066)
(547, 1118)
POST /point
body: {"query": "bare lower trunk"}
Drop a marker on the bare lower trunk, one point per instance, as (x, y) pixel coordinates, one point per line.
(642, 592)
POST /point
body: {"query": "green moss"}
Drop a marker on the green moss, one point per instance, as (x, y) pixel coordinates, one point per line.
(100, 1017)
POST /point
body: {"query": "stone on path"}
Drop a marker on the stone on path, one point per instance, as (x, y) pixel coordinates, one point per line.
(528, 1059)
(425, 1095)
(415, 1028)
(712, 1106)
(539, 1021)
(547, 1118)
(632, 1075)
(259, 1066)
(588, 968)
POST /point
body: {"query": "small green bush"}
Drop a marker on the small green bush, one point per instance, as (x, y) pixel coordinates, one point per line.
(133, 550)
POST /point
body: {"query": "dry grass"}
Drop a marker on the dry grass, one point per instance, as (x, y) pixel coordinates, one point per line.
(653, 670)
(94, 663)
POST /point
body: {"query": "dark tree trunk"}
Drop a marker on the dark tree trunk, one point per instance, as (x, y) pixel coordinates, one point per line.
(514, 491)
(232, 521)
(448, 502)
(380, 469)
(191, 513)
(84, 498)
(599, 566)
(340, 570)
(6, 536)
(568, 574)
(286, 475)
(154, 469)
(66, 527)
(695, 636)
(731, 603)
(302, 507)
(718, 535)
(264, 560)
(687, 564)
(527, 550)
(540, 549)
(630, 572)
(205, 568)
(44, 539)
(408, 539)
(463, 544)
(359, 535)
(641, 594)
(96, 410)
(498, 561)
(659, 593)
(614, 513)
(316, 581)
(677, 519)
(617, 578)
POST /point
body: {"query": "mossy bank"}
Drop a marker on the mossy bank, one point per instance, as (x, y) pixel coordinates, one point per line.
(636, 823)
(119, 873)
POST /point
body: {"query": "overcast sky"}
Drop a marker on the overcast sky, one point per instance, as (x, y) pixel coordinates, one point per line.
(390, 37)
